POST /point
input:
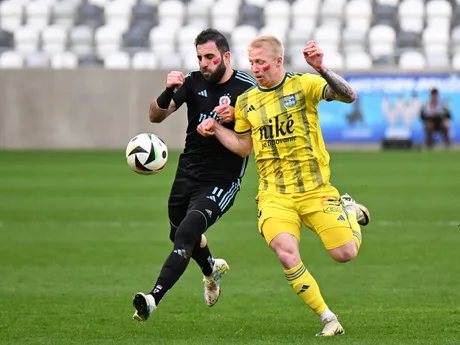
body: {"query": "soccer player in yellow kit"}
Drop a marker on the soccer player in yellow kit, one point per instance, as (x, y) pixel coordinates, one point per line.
(279, 119)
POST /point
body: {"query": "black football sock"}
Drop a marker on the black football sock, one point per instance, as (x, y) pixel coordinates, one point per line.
(187, 237)
(204, 259)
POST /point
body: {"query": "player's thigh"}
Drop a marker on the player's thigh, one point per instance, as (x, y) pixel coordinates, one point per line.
(333, 227)
(214, 199)
(179, 199)
(277, 214)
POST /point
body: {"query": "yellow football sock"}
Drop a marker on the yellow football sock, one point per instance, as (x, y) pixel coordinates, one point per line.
(355, 228)
(304, 285)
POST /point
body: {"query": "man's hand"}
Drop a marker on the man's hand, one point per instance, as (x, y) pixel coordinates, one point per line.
(207, 127)
(175, 79)
(313, 55)
(225, 112)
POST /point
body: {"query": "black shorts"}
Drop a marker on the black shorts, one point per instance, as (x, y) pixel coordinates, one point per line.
(188, 193)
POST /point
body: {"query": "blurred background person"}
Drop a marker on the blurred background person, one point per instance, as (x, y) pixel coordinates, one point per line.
(436, 118)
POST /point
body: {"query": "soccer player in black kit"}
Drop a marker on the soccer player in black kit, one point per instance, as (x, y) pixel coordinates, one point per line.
(208, 175)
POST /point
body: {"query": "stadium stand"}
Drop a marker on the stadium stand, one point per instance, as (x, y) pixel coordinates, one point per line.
(354, 34)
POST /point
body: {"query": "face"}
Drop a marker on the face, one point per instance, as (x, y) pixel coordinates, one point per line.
(213, 64)
(265, 66)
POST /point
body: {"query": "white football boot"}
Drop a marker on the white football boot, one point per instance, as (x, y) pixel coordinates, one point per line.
(332, 327)
(362, 213)
(212, 282)
(145, 305)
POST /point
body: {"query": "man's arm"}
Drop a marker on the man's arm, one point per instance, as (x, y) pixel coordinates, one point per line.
(239, 144)
(337, 88)
(157, 115)
(164, 105)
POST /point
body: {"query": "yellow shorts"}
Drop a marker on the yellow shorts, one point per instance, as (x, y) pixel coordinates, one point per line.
(320, 210)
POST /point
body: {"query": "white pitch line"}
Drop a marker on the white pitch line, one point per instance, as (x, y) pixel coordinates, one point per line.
(389, 223)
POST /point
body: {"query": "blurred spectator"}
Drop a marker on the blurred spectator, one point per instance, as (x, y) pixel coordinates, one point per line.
(436, 118)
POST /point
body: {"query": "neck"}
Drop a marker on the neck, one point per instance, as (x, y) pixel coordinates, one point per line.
(279, 78)
(228, 74)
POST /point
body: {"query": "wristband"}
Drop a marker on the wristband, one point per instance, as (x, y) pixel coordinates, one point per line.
(165, 98)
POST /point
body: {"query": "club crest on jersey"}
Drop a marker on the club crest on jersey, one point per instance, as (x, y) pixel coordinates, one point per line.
(225, 100)
(289, 101)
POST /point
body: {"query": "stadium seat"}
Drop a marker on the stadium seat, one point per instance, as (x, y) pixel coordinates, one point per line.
(260, 3)
(358, 14)
(144, 60)
(438, 14)
(408, 41)
(224, 16)
(64, 13)
(117, 60)
(304, 16)
(171, 13)
(163, 40)
(333, 61)
(37, 60)
(10, 15)
(332, 12)
(185, 39)
(144, 15)
(275, 30)
(11, 59)
(118, 13)
(90, 61)
(198, 13)
(358, 61)
(435, 41)
(136, 39)
(393, 3)
(26, 39)
(99, 3)
(411, 15)
(382, 39)
(108, 39)
(277, 13)
(412, 60)
(6, 40)
(81, 40)
(54, 39)
(455, 39)
(354, 40)
(385, 14)
(38, 14)
(65, 60)
(242, 35)
(456, 62)
(328, 38)
(89, 15)
(251, 15)
(171, 61)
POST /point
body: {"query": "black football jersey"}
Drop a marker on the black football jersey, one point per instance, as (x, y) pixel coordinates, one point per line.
(205, 158)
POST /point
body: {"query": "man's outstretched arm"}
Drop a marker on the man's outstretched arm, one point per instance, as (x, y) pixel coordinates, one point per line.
(239, 144)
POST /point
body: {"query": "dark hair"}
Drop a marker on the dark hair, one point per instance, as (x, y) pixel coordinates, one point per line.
(434, 91)
(212, 35)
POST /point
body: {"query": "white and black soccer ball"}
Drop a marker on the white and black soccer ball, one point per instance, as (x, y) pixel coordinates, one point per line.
(146, 154)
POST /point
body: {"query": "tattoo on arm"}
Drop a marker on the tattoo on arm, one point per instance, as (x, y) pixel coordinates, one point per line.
(337, 89)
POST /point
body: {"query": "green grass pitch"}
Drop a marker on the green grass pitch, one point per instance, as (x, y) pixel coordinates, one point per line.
(80, 234)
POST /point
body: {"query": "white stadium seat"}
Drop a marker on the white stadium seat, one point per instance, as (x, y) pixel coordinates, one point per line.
(171, 13)
(27, 39)
(163, 40)
(11, 60)
(412, 60)
(65, 60)
(117, 60)
(11, 12)
(358, 61)
(54, 39)
(144, 60)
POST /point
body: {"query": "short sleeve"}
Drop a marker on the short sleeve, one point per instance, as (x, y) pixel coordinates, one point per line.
(181, 94)
(314, 86)
(242, 124)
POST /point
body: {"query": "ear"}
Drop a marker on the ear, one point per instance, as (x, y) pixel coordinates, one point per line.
(279, 61)
(227, 56)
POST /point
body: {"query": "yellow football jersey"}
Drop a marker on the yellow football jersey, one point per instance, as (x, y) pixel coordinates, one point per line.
(283, 121)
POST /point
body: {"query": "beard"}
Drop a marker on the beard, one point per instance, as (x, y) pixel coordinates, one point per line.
(217, 75)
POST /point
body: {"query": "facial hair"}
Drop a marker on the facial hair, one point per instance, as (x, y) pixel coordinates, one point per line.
(217, 75)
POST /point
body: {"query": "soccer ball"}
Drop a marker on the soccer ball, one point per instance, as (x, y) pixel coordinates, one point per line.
(146, 154)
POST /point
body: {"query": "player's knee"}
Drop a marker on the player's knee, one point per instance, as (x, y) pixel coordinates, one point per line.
(344, 253)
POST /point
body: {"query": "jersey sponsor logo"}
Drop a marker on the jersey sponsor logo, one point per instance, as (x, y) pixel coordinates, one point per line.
(331, 205)
(225, 100)
(211, 115)
(289, 101)
(203, 93)
(275, 132)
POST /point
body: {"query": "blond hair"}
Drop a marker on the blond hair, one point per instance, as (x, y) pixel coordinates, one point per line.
(274, 44)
